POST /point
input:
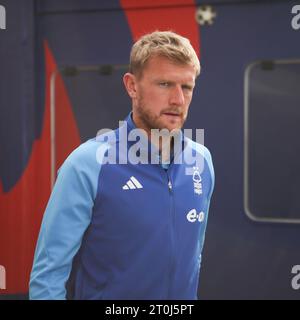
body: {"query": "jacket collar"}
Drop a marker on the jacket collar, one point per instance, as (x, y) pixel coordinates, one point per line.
(145, 144)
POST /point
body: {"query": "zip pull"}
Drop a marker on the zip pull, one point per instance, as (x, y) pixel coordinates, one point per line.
(170, 185)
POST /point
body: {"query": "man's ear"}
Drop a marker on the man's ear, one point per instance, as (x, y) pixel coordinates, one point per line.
(130, 84)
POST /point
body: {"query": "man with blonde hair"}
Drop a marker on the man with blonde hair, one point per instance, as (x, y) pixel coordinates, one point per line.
(127, 230)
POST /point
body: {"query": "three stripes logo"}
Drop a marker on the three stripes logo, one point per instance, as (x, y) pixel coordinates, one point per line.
(132, 183)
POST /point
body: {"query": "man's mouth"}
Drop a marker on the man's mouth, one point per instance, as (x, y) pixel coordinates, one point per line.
(172, 114)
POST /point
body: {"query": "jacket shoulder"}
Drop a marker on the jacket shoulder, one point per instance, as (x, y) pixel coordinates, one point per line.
(201, 149)
(87, 154)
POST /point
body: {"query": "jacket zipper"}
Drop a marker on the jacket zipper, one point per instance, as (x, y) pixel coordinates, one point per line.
(172, 216)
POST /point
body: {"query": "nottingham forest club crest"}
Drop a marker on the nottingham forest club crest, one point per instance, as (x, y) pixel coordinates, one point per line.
(197, 181)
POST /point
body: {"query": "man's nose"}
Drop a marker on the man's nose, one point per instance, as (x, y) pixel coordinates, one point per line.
(177, 96)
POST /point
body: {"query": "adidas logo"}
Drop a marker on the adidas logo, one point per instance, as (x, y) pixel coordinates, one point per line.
(132, 183)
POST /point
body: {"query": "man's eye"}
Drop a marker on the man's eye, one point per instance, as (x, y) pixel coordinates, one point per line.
(163, 84)
(187, 88)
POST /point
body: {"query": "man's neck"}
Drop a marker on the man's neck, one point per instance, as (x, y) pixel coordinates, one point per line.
(165, 144)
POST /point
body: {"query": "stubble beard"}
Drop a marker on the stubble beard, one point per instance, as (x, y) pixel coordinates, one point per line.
(151, 121)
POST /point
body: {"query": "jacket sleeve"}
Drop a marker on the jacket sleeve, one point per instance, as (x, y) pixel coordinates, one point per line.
(67, 216)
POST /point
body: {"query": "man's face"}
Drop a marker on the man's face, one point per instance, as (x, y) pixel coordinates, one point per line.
(163, 94)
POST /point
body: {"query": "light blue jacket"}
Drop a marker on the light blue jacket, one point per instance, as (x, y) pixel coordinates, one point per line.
(123, 231)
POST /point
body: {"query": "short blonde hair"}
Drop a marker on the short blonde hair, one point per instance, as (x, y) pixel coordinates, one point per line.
(166, 44)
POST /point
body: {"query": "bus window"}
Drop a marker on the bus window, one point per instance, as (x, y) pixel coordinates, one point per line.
(272, 144)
